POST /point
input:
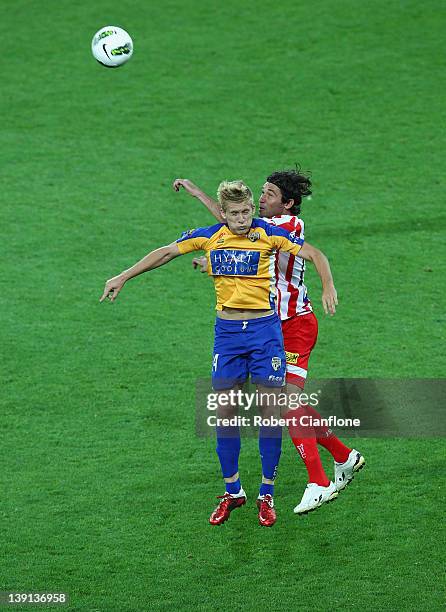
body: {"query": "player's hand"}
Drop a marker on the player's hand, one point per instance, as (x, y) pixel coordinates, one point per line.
(112, 288)
(329, 300)
(187, 185)
(201, 263)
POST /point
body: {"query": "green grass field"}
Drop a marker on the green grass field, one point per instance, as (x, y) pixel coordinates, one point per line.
(106, 490)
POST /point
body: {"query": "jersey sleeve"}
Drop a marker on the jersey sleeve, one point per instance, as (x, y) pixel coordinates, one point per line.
(284, 240)
(196, 239)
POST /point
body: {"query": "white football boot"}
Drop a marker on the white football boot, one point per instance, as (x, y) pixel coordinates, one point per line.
(345, 472)
(314, 496)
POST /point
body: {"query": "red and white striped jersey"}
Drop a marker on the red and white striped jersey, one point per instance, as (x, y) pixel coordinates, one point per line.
(292, 298)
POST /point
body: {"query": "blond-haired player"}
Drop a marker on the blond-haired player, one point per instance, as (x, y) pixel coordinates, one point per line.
(240, 254)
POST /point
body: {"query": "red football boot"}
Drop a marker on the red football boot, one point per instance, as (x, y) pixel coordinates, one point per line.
(267, 514)
(226, 506)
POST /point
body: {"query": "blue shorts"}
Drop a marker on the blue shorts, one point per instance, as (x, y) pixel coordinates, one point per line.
(243, 348)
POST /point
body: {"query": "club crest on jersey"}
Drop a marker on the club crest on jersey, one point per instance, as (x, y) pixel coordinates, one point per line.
(291, 357)
(253, 236)
(276, 362)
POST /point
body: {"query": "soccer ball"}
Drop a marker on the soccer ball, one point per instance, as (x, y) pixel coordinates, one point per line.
(112, 46)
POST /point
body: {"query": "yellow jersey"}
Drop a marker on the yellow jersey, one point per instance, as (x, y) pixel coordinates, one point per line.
(243, 267)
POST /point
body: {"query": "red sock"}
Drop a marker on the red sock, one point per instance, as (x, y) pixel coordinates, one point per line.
(327, 439)
(334, 446)
(306, 444)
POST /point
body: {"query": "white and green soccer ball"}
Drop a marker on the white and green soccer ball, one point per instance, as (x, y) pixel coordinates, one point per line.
(112, 46)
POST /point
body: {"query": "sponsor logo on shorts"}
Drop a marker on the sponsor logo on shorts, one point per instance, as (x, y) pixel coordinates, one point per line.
(291, 357)
(276, 362)
(275, 378)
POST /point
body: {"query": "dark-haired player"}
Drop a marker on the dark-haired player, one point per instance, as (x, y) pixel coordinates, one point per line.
(280, 203)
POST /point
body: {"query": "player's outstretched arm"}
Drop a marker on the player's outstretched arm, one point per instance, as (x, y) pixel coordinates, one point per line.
(153, 260)
(329, 294)
(212, 206)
